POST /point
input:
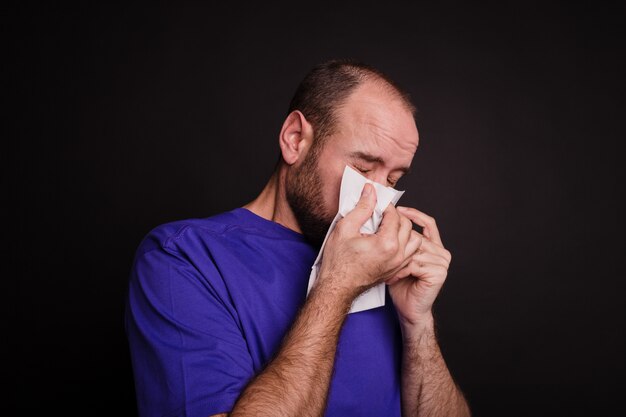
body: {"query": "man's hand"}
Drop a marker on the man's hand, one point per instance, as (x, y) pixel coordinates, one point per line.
(297, 380)
(414, 288)
(427, 385)
(353, 261)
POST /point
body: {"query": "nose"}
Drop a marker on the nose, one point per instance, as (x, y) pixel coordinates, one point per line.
(380, 177)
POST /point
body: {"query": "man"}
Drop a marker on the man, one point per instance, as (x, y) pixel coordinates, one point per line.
(218, 319)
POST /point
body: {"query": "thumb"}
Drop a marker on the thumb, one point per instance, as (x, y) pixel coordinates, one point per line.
(363, 209)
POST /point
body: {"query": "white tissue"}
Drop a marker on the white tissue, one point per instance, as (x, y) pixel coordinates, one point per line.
(352, 184)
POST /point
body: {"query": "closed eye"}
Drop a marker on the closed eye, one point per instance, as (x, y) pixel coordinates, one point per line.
(362, 170)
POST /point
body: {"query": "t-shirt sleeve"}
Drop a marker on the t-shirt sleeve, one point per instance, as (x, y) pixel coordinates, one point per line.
(188, 352)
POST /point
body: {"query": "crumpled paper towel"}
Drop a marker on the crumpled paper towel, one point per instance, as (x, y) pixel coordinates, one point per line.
(352, 184)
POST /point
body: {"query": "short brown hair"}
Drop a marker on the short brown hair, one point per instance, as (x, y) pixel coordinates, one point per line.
(328, 85)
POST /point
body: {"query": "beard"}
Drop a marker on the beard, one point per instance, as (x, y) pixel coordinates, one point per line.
(304, 195)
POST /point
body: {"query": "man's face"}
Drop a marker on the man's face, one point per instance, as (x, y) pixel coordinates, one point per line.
(375, 134)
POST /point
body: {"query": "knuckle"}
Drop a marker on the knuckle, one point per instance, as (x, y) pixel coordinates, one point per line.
(363, 205)
(442, 270)
(389, 246)
(396, 260)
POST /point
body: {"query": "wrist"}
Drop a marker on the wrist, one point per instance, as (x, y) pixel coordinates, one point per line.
(336, 295)
(413, 331)
(336, 286)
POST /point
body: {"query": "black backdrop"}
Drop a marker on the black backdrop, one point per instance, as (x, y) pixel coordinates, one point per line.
(122, 118)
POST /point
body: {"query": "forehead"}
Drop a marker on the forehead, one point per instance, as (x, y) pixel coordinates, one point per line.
(375, 120)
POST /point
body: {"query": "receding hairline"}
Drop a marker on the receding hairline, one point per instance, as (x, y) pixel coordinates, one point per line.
(360, 72)
(384, 84)
(322, 114)
(389, 87)
(366, 73)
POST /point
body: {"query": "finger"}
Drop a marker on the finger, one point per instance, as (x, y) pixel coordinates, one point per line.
(403, 272)
(429, 273)
(431, 258)
(424, 220)
(414, 243)
(404, 235)
(430, 247)
(391, 222)
(399, 276)
(363, 209)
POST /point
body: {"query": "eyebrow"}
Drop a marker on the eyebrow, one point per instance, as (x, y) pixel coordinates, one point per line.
(375, 159)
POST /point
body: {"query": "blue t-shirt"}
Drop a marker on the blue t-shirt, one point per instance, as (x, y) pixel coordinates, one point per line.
(209, 303)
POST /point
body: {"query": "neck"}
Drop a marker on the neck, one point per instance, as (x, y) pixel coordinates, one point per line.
(271, 203)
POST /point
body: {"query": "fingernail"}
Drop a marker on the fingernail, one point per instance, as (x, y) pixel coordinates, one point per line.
(367, 190)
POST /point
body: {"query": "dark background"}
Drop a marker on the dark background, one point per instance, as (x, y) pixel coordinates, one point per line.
(121, 118)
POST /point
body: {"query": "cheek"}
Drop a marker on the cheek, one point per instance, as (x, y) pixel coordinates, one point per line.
(332, 201)
(330, 190)
(330, 168)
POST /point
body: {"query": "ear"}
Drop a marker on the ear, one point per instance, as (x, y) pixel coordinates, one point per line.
(296, 137)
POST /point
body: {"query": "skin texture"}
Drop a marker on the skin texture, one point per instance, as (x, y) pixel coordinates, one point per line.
(375, 134)
(306, 200)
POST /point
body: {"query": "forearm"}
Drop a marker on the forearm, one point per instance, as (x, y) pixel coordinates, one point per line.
(427, 386)
(296, 382)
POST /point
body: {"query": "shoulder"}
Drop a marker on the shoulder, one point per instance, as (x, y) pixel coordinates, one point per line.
(229, 238)
(179, 234)
(180, 257)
